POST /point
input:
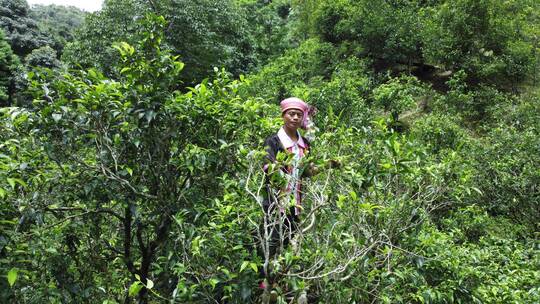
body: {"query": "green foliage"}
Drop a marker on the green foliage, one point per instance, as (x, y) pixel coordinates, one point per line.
(42, 57)
(205, 37)
(380, 29)
(145, 152)
(31, 37)
(484, 38)
(440, 133)
(205, 34)
(18, 157)
(310, 63)
(9, 67)
(12, 276)
(397, 95)
(456, 272)
(508, 165)
(139, 180)
(327, 20)
(267, 29)
(492, 41)
(58, 22)
(21, 30)
(475, 104)
(389, 29)
(345, 93)
(93, 42)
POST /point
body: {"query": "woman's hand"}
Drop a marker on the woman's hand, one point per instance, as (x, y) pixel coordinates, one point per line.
(312, 169)
(333, 163)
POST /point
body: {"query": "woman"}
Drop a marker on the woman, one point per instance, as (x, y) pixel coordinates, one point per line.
(295, 114)
(286, 151)
(282, 202)
(286, 155)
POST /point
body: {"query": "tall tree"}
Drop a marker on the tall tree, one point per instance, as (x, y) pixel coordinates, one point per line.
(42, 57)
(93, 42)
(22, 32)
(145, 151)
(9, 63)
(205, 34)
(58, 22)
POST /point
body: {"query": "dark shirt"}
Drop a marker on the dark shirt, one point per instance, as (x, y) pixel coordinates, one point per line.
(273, 147)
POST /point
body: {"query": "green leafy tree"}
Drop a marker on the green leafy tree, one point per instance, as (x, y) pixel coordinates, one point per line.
(209, 33)
(43, 57)
(492, 41)
(267, 28)
(9, 67)
(310, 62)
(489, 40)
(397, 95)
(205, 34)
(21, 30)
(382, 30)
(507, 165)
(93, 42)
(147, 154)
(58, 23)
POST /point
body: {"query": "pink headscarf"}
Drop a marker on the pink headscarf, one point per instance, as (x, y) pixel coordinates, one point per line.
(297, 103)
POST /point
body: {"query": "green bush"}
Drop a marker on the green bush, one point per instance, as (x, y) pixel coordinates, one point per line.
(506, 157)
(451, 272)
(345, 94)
(508, 173)
(118, 163)
(439, 132)
(398, 95)
(9, 67)
(42, 57)
(483, 38)
(310, 62)
(475, 104)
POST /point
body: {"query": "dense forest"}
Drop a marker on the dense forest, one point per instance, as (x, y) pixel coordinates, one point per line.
(132, 147)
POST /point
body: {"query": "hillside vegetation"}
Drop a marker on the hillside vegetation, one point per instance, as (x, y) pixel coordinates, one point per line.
(131, 151)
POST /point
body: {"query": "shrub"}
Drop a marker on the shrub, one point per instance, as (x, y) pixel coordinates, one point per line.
(397, 95)
(310, 62)
(439, 132)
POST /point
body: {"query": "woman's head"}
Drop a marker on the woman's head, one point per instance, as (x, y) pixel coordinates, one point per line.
(294, 112)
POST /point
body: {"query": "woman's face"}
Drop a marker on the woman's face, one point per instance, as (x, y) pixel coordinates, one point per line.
(292, 119)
